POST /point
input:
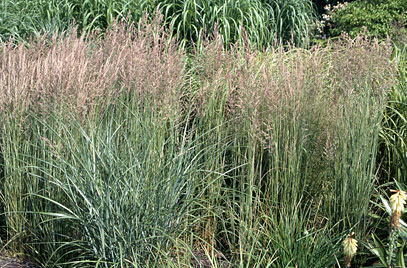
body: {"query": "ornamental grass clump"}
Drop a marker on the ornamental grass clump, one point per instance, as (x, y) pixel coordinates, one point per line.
(303, 128)
(89, 130)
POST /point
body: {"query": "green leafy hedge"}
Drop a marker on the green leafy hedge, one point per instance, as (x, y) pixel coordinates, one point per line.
(377, 16)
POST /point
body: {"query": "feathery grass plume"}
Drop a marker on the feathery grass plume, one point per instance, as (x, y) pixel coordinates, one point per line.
(397, 200)
(350, 246)
(78, 72)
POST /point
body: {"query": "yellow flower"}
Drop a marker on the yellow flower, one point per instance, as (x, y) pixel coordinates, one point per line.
(397, 200)
(350, 246)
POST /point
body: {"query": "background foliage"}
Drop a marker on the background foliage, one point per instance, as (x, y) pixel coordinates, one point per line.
(378, 17)
(266, 22)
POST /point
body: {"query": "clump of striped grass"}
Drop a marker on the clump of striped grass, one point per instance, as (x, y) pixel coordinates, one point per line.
(266, 22)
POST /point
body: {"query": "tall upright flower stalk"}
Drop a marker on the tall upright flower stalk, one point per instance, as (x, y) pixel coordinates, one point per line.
(350, 246)
(397, 201)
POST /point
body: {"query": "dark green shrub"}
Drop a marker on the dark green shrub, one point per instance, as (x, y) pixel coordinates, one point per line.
(378, 17)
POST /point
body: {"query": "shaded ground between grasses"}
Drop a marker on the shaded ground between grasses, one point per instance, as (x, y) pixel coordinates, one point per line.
(7, 262)
(202, 261)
